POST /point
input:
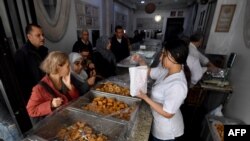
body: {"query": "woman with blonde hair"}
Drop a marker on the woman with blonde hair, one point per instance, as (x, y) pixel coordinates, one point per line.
(55, 88)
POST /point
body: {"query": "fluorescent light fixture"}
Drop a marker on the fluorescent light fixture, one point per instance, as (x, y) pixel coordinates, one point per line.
(142, 2)
(157, 18)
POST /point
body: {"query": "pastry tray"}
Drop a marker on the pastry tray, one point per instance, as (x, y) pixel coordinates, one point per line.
(50, 126)
(88, 98)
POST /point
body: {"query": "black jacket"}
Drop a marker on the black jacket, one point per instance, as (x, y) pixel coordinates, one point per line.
(79, 46)
(27, 64)
(120, 50)
(82, 87)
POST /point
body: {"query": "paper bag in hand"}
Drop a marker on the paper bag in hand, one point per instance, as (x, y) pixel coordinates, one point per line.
(138, 79)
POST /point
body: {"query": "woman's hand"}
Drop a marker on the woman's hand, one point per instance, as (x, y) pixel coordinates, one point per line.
(92, 73)
(91, 81)
(139, 59)
(141, 95)
(56, 102)
(66, 80)
(108, 46)
(91, 66)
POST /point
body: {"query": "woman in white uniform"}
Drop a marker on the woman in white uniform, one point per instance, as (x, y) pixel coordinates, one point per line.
(168, 92)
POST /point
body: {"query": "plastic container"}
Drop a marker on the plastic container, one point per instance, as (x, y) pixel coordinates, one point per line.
(49, 127)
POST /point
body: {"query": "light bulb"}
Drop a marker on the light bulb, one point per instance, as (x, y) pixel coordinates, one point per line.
(157, 18)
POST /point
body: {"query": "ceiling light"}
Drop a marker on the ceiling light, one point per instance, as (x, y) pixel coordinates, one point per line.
(157, 18)
(142, 2)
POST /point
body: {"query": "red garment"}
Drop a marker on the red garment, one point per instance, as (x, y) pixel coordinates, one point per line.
(40, 100)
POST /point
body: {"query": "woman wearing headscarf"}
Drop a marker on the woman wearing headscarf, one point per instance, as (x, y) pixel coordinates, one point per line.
(79, 77)
(104, 58)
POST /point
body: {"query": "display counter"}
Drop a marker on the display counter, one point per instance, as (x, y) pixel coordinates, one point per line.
(141, 129)
(137, 128)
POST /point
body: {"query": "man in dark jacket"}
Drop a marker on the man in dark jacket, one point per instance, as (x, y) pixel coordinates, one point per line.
(120, 45)
(28, 60)
(83, 43)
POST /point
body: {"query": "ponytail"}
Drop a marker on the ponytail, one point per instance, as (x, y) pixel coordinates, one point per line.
(187, 74)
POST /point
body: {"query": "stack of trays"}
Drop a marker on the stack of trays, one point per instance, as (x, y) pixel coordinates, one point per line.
(49, 128)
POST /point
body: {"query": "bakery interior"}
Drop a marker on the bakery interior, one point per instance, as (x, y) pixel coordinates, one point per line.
(212, 103)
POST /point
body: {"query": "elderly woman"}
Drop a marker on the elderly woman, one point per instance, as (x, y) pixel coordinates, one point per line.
(104, 58)
(79, 76)
(54, 90)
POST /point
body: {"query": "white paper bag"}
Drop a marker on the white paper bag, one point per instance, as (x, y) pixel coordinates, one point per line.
(138, 79)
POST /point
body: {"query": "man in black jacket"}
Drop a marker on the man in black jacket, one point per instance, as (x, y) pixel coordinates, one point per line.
(120, 45)
(28, 60)
(83, 43)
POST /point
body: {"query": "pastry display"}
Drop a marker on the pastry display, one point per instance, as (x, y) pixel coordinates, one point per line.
(80, 131)
(220, 130)
(110, 87)
(110, 106)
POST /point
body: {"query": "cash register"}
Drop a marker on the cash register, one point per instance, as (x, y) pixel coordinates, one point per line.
(220, 78)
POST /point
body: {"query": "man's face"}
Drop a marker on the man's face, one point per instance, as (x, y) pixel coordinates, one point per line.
(85, 55)
(36, 37)
(200, 42)
(119, 33)
(85, 36)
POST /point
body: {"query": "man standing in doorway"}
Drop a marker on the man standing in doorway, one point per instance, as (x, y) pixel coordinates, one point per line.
(28, 60)
(120, 45)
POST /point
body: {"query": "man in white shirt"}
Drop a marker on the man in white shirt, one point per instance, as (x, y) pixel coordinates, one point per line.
(195, 41)
(195, 68)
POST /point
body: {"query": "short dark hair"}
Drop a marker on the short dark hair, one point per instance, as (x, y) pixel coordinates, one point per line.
(196, 37)
(118, 27)
(28, 28)
(82, 49)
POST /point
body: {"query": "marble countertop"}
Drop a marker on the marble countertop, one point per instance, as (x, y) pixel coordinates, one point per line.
(142, 126)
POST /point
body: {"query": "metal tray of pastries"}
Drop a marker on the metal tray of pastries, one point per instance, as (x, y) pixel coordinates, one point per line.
(108, 106)
(70, 124)
(114, 88)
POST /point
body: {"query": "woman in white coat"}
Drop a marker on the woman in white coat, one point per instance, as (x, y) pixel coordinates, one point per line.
(168, 92)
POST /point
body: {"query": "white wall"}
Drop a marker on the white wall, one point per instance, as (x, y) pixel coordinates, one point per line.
(70, 37)
(66, 43)
(126, 11)
(224, 43)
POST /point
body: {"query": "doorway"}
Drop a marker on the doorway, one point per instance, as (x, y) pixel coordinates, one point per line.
(174, 27)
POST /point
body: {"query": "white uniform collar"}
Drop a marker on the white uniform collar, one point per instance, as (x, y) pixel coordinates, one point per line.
(192, 45)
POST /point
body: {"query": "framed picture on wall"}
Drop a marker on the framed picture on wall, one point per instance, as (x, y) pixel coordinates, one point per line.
(88, 10)
(173, 13)
(80, 21)
(88, 21)
(225, 18)
(180, 13)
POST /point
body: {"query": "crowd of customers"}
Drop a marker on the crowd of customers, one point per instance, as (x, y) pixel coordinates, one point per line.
(51, 80)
